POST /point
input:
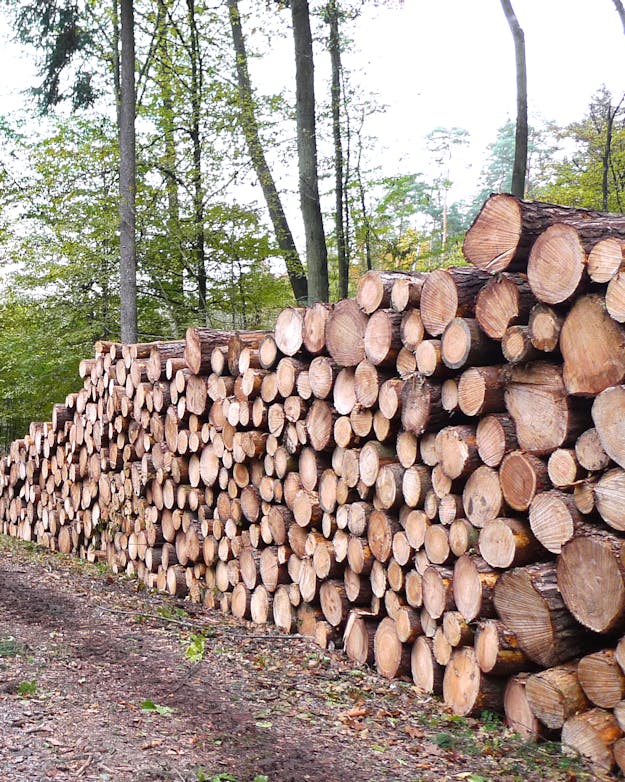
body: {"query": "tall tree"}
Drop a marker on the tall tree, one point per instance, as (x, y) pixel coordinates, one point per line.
(332, 13)
(520, 142)
(127, 178)
(249, 125)
(316, 250)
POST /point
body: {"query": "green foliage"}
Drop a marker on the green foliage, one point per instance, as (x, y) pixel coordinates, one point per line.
(163, 711)
(194, 651)
(592, 175)
(26, 689)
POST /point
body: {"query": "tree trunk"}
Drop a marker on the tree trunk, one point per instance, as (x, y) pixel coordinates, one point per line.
(249, 124)
(316, 252)
(334, 44)
(520, 139)
(127, 179)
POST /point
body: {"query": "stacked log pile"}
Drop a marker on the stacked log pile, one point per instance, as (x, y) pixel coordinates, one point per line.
(431, 474)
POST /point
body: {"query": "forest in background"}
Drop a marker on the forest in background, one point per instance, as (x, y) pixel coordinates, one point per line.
(207, 252)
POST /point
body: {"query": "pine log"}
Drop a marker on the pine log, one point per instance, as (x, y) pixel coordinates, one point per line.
(481, 391)
(609, 496)
(519, 715)
(503, 302)
(359, 638)
(421, 407)
(506, 227)
(605, 259)
(556, 265)
(615, 298)
(456, 450)
(392, 658)
(528, 600)
(593, 348)
(497, 650)
(608, 414)
(601, 678)
(590, 452)
(544, 416)
(473, 584)
(406, 291)
(345, 333)
(427, 674)
(315, 320)
(555, 694)
(522, 476)
(496, 436)
(482, 497)
(509, 542)
(463, 342)
(591, 579)
(289, 330)
(448, 293)
(517, 347)
(199, 345)
(466, 690)
(544, 328)
(563, 468)
(592, 735)
(382, 337)
(375, 289)
(554, 519)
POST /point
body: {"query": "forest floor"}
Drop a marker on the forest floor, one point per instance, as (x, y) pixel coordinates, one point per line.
(101, 680)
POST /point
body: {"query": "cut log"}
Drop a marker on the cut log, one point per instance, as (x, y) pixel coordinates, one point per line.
(519, 715)
(463, 342)
(509, 542)
(473, 584)
(601, 678)
(528, 600)
(482, 497)
(407, 291)
(522, 476)
(345, 333)
(466, 690)
(605, 259)
(427, 674)
(591, 579)
(615, 298)
(315, 320)
(504, 301)
(589, 451)
(609, 495)
(382, 339)
(517, 347)
(497, 650)
(592, 735)
(289, 330)
(359, 638)
(481, 390)
(375, 289)
(608, 414)
(563, 468)
(421, 407)
(448, 293)
(593, 348)
(556, 264)
(506, 227)
(554, 519)
(456, 450)
(392, 658)
(555, 695)
(496, 436)
(544, 416)
(544, 328)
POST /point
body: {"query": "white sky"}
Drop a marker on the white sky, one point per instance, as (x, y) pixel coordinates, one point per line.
(448, 63)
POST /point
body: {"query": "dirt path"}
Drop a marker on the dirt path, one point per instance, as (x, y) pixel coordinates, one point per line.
(96, 684)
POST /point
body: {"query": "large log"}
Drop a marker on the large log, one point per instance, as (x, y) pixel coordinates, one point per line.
(528, 601)
(506, 227)
(593, 348)
(448, 293)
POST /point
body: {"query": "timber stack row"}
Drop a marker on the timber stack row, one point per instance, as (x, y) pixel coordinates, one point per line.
(431, 474)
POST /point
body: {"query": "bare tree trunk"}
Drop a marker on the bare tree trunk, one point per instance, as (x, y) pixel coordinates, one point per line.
(198, 186)
(316, 251)
(620, 10)
(284, 237)
(520, 141)
(127, 179)
(335, 55)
